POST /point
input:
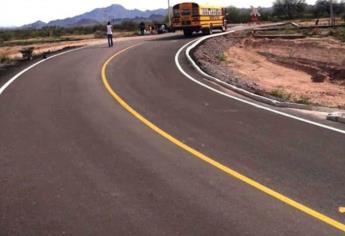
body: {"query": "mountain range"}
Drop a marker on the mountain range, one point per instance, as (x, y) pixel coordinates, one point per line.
(114, 13)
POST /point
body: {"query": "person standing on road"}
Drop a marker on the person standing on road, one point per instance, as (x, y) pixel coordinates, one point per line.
(142, 28)
(110, 34)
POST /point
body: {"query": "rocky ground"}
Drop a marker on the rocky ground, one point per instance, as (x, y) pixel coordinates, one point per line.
(308, 70)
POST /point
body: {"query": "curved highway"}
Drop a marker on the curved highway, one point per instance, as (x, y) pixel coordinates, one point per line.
(74, 161)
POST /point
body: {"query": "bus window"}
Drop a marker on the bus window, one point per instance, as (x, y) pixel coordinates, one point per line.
(195, 11)
(186, 12)
(176, 12)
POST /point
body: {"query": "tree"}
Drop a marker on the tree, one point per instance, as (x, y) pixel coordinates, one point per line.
(289, 9)
(322, 8)
(340, 8)
(128, 25)
(266, 14)
(237, 15)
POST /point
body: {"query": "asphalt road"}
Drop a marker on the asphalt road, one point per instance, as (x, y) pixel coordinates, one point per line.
(75, 162)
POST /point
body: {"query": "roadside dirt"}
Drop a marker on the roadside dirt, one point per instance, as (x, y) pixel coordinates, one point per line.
(309, 71)
(13, 52)
(9, 68)
(322, 21)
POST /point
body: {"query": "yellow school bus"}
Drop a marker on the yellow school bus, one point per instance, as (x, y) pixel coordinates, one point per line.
(192, 17)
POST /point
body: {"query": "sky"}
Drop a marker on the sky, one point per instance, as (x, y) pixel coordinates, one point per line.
(19, 12)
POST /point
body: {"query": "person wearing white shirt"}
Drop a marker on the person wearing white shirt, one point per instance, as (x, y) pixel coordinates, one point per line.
(110, 34)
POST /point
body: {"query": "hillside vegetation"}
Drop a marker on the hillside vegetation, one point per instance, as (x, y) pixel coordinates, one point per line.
(289, 10)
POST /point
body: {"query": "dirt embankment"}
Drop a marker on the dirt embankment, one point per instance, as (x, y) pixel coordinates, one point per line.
(310, 70)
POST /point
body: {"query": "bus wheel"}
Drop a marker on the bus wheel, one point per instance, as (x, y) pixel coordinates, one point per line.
(187, 32)
(208, 31)
(211, 29)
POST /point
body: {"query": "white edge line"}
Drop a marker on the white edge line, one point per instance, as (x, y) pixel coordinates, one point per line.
(196, 42)
(236, 89)
(8, 83)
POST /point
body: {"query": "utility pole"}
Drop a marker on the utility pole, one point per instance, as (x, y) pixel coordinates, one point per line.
(169, 13)
(332, 13)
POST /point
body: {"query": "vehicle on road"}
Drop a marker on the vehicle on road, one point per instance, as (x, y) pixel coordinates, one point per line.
(192, 17)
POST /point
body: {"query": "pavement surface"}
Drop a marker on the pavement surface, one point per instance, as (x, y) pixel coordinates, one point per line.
(75, 162)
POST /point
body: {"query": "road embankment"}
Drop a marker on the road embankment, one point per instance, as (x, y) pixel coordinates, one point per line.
(307, 71)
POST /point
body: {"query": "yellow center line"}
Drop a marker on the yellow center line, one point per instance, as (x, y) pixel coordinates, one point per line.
(211, 161)
(342, 209)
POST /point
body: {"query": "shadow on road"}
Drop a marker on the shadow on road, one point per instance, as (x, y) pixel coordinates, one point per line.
(174, 37)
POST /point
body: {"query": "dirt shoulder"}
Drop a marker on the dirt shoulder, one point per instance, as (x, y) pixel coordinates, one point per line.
(308, 70)
(13, 52)
(13, 63)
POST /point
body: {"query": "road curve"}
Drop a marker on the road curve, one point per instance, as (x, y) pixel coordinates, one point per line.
(74, 162)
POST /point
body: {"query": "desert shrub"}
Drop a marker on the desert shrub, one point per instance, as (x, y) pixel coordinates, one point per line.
(6, 35)
(99, 34)
(318, 77)
(222, 57)
(339, 33)
(342, 107)
(127, 25)
(57, 32)
(27, 53)
(303, 100)
(280, 93)
(4, 59)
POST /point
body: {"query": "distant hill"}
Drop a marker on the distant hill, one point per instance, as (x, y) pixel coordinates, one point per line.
(84, 22)
(101, 15)
(36, 25)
